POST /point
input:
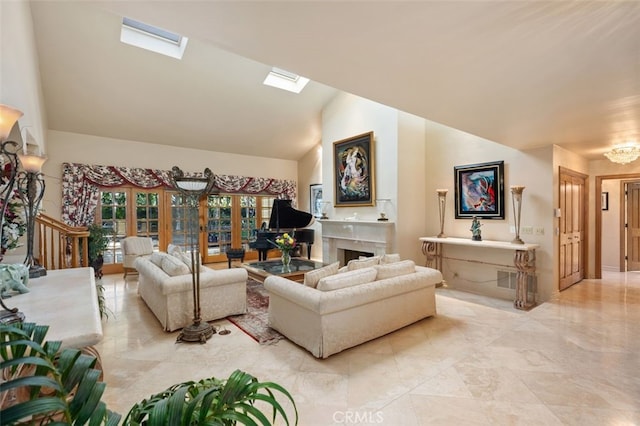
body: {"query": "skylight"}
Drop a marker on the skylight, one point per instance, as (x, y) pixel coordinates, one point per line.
(154, 39)
(285, 80)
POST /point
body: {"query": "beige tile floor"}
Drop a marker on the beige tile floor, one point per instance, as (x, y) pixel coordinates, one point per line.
(571, 361)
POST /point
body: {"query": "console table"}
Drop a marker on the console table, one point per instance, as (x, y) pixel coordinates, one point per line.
(67, 301)
(524, 259)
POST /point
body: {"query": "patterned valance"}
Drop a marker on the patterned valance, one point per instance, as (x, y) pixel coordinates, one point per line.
(81, 185)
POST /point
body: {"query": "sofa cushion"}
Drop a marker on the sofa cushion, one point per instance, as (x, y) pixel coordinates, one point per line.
(347, 279)
(311, 278)
(389, 258)
(174, 266)
(395, 269)
(366, 262)
(156, 258)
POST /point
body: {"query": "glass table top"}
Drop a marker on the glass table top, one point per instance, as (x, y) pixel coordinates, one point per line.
(297, 265)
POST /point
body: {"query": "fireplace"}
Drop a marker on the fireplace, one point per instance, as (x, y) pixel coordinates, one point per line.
(372, 238)
(345, 255)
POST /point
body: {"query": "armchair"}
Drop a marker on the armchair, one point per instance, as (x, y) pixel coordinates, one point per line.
(132, 248)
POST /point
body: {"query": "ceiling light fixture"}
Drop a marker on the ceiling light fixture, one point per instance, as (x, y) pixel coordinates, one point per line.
(285, 80)
(624, 154)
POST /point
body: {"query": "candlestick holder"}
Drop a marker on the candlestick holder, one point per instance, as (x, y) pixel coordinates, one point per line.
(516, 197)
(442, 199)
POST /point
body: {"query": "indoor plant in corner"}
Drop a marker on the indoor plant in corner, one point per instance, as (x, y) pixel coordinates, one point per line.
(49, 386)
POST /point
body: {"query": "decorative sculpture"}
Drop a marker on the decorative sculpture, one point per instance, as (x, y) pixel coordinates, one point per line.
(475, 229)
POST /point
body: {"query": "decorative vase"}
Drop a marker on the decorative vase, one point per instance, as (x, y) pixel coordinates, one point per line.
(286, 261)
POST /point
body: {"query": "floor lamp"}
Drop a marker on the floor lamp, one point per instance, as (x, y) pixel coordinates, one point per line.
(30, 183)
(193, 188)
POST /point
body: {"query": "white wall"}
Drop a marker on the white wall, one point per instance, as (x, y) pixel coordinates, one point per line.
(414, 157)
(447, 148)
(346, 116)
(77, 148)
(309, 173)
(19, 72)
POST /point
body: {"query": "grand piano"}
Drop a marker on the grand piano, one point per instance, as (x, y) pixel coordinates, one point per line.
(284, 218)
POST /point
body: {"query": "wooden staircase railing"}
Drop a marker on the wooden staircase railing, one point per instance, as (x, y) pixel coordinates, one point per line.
(61, 246)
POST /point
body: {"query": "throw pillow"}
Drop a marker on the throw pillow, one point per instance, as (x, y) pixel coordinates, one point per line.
(347, 279)
(156, 258)
(390, 258)
(311, 278)
(367, 262)
(174, 266)
(174, 250)
(395, 269)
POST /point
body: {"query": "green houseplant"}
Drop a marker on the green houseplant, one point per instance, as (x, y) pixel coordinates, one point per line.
(98, 242)
(64, 388)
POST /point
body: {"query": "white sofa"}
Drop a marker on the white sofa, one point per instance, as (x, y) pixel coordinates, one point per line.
(342, 310)
(165, 284)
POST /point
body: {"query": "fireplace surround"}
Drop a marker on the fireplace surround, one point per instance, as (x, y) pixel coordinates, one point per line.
(373, 237)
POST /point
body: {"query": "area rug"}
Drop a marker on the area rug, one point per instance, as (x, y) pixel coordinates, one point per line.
(254, 322)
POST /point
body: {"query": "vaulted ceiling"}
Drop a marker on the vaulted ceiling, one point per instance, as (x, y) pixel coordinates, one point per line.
(524, 74)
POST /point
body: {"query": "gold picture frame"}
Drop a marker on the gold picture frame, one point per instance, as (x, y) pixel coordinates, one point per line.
(354, 171)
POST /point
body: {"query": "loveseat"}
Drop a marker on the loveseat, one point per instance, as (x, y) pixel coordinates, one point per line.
(333, 311)
(165, 285)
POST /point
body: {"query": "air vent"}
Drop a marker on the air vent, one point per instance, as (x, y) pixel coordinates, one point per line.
(509, 280)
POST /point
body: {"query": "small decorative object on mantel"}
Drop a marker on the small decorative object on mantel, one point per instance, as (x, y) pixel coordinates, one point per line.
(325, 209)
(475, 229)
(442, 200)
(516, 196)
(382, 209)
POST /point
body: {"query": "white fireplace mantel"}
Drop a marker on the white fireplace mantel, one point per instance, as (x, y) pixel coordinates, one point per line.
(377, 237)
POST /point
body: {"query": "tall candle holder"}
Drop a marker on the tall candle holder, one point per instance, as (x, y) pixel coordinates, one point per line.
(516, 197)
(442, 199)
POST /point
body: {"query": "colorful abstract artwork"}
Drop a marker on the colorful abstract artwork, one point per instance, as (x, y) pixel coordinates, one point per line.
(354, 171)
(480, 190)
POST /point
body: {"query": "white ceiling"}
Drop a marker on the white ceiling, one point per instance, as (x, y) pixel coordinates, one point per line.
(522, 73)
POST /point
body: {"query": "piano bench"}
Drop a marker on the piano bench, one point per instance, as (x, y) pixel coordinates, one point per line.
(235, 254)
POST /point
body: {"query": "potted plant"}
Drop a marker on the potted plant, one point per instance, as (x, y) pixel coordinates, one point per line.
(50, 386)
(98, 242)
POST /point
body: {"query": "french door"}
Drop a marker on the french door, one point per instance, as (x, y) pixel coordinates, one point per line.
(221, 221)
(224, 221)
(128, 212)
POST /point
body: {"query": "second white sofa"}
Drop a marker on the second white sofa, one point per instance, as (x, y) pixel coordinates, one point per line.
(349, 308)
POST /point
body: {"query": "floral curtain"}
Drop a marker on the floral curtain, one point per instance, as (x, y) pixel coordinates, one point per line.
(81, 185)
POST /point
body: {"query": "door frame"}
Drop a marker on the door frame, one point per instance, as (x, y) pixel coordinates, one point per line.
(598, 215)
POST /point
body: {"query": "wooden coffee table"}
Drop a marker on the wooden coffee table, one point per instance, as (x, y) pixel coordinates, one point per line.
(262, 269)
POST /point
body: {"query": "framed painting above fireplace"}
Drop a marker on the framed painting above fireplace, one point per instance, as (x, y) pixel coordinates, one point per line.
(353, 171)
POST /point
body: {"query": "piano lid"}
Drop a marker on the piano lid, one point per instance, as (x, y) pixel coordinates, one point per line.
(283, 216)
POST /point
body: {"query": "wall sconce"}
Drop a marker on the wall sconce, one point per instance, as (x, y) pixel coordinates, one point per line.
(194, 188)
(31, 186)
(624, 154)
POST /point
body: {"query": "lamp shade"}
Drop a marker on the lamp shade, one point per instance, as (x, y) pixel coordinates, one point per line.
(8, 117)
(32, 163)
